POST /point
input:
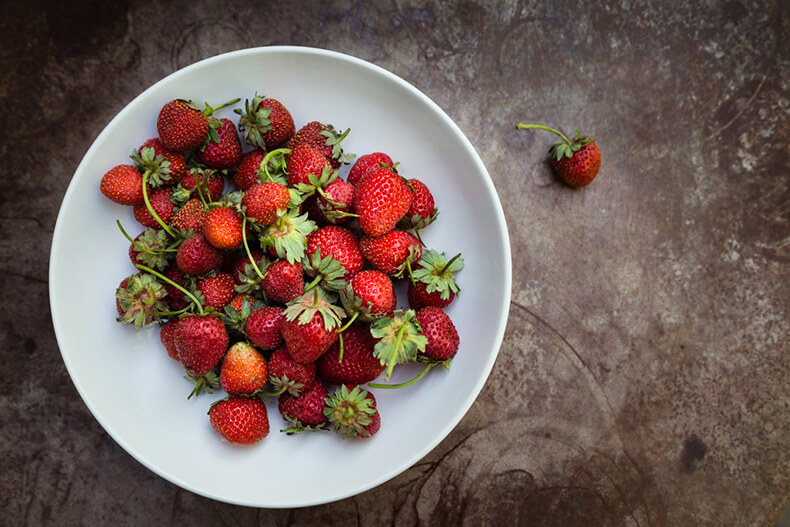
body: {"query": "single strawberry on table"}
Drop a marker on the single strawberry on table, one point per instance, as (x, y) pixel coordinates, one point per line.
(577, 162)
(240, 420)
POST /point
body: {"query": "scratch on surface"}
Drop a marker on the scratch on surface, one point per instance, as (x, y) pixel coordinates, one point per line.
(740, 112)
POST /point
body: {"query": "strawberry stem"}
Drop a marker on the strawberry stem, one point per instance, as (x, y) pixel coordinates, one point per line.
(522, 126)
(169, 281)
(398, 340)
(274, 394)
(151, 208)
(268, 156)
(345, 327)
(315, 282)
(247, 247)
(405, 383)
(211, 109)
(448, 264)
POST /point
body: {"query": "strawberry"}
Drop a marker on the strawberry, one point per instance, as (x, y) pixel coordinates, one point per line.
(238, 300)
(166, 167)
(222, 227)
(243, 370)
(577, 162)
(226, 151)
(262, 201)
(399, 339)
(323, 138)
(245, 275)
(162, 206)
(423, 207)
(352, 412)
(369, 295)
(382, 198)
(266, 123)
(287, 374)
(182, 126)
(358, 364)
(210, 182)
(433, 280)
(123, 184)
(196, 256)
(341, 244)
(363, 164)
(441, 333)
(240, 420)
(287, 235)
(166, 336)
(391, 253)
(310, 326)
(305, 411)
(263, 327)
(283, 281)
(334, 202)
(304, 161)
(151, 248)
(176, 298)
(189, 217)
(248, 172)
(201, 341)
(217, 290)
(139, 299)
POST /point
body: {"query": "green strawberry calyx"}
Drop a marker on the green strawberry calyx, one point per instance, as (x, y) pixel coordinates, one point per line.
(304, 308)
(254, 121)
(147, 161)
(400, 339)
(438, 273)
(288, 234)
(565, 148)
(326, 272)
(349, 411)
(141, 300)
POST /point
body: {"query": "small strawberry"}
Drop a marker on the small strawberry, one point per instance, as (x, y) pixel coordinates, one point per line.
(433, 280)
(441, 333)
(305, 161)
(287, 374)
(152, 248)
(577, 162)
(283, 281)
(201, 341)
(352, 412)
(248, 172)
(305, 411)
(217, 290)
(263, 201)
(166, 336)
(323, 138)
(224, 153)
(358, 364)
(196, 256)
(369, 295)
(423, 207)
(263, 327)
(364, 163)
(310, 326)
(189, 217)
(182, 126)
(139, 299)
(162, 206)
(334, 202)
(165, 167)
(207, 183)
(243, 273)
(265, 123)
(243, 370)
(391, 253)
(382, 198)
(123, 184)
(222, 227)
(238, 300)
(341, 244)
(240, 420)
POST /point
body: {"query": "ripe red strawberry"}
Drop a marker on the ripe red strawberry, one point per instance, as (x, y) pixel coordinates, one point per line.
(263, 327)
(287, 374)
(243, 370)
(283, 281)
(189, 216)
(266, 123)
(441, 333)
(243, 275)
(369, 295)
(238, 301)
(176, 298)
(341, 244)
(212, 184)
(217, 290)
(303, 161)
(247, 173)
(201, 341)
(351, 411)
(577, 162)
(324, 138)
(196, 256)
(382, 198)
(364, 163)
(305, 411)
(166, 336)
(224, 153)
(433, 280)
(139, 298)
(334, 202)
(358, 364)
(310, 326)
(182, 126)
(240, 420)
(160, 202)
(262, 201)
(392, 252)
(176, 167)
(222, 227)
(423, 206)
(123, 184)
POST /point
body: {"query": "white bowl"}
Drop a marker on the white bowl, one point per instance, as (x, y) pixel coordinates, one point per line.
(138, 393)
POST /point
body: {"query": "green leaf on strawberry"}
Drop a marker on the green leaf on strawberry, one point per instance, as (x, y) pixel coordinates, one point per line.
(437, 273)
(327, 272)
(400, 339)
(288, 235)
(140, 300)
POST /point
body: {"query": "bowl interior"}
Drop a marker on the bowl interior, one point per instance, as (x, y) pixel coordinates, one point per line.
(138, 393)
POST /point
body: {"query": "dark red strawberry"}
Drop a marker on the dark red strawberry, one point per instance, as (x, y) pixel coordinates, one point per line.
(222, 227)
(364, 163)
(189, 216)
(244, 275)
(265, 123)
(351, 412)
(217, 290)
(283, 281)
(201, 341)
(161, 174)
(334, 202)
(423, 206)
(166, 336)
(392, 252)
(382, 198)
(358, 365)
(433, 280)
(369, 295)
(248, 172)
(243, 370)
(287, 374)
(263, 327)
(305, 411)
(263, 201)
(341, 244)
(304, 161)
(324, 138)
(123, 184)
(182, 126)
(577, 162)
(441, 333)
(224, 153)
(310, 326)
(240, 420)
(162, 206)
(211, 183)
(196, 256)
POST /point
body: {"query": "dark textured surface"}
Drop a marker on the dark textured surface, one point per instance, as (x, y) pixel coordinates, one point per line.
(643, 379)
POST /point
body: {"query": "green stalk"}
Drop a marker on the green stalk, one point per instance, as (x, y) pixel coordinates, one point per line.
(247, 247)
(448, 264)
(211, 109)
(398, 340)
(150, 208)
(403, 384)
(169, 281)
(522, 126)
(265, 160)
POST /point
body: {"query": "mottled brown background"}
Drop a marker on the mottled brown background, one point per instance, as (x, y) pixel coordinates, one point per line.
(643, 379)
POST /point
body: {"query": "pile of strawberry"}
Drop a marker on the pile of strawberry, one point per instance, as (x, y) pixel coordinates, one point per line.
(271, 276)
